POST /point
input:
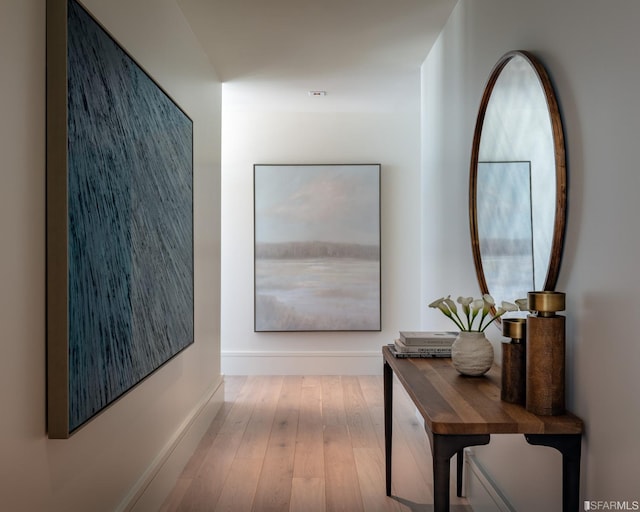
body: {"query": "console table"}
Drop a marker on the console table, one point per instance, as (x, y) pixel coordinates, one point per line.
(463, 411)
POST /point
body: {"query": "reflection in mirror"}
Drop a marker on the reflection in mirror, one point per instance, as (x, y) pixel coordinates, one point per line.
(517, 195)
(505, 228)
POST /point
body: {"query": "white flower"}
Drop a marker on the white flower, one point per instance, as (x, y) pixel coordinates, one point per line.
(435, 303)
(471, 308)
(477, 305)
(448, 307)
(452, 305)
(508, 306)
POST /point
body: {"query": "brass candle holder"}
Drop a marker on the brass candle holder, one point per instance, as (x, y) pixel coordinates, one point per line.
(514, 361)
(545, 354)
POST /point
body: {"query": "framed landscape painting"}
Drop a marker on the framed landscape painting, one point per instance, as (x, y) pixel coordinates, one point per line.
(317, 247)
(119, 221)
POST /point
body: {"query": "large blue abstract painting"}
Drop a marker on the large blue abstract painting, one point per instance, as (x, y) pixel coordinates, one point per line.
(130, 221)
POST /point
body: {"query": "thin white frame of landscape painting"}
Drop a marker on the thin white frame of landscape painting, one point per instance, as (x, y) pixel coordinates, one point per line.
(317, 247)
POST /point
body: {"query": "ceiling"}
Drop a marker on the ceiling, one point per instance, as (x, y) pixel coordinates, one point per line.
(346, 47)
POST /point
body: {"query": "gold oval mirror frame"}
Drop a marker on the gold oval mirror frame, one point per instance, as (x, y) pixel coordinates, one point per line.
(517, 193)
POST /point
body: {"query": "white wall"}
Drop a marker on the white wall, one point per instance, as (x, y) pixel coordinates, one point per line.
(322, 131)
(100, 465)
(590, 49)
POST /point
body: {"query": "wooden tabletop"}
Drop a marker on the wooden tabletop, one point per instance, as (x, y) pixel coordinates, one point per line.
(454, 404)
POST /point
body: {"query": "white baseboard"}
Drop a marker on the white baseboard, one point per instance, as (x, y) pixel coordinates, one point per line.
(153, 487)
(302, 363)
(480, 489)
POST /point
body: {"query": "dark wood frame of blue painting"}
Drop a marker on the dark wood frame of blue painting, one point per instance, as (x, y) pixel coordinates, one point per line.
(119, 221)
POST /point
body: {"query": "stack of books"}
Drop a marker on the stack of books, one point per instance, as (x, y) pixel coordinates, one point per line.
(423, 344)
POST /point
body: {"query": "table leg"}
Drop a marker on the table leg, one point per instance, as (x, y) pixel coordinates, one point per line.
(569, 445)
(388, 421)
(459, 462)
(443, 447)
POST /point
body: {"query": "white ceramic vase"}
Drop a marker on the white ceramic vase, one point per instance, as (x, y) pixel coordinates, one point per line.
(472, 353)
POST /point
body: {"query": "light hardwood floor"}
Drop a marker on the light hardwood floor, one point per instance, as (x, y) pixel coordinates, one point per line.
(308, 444)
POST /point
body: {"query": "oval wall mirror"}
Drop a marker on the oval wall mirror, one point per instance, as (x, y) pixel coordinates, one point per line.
(517, 193)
